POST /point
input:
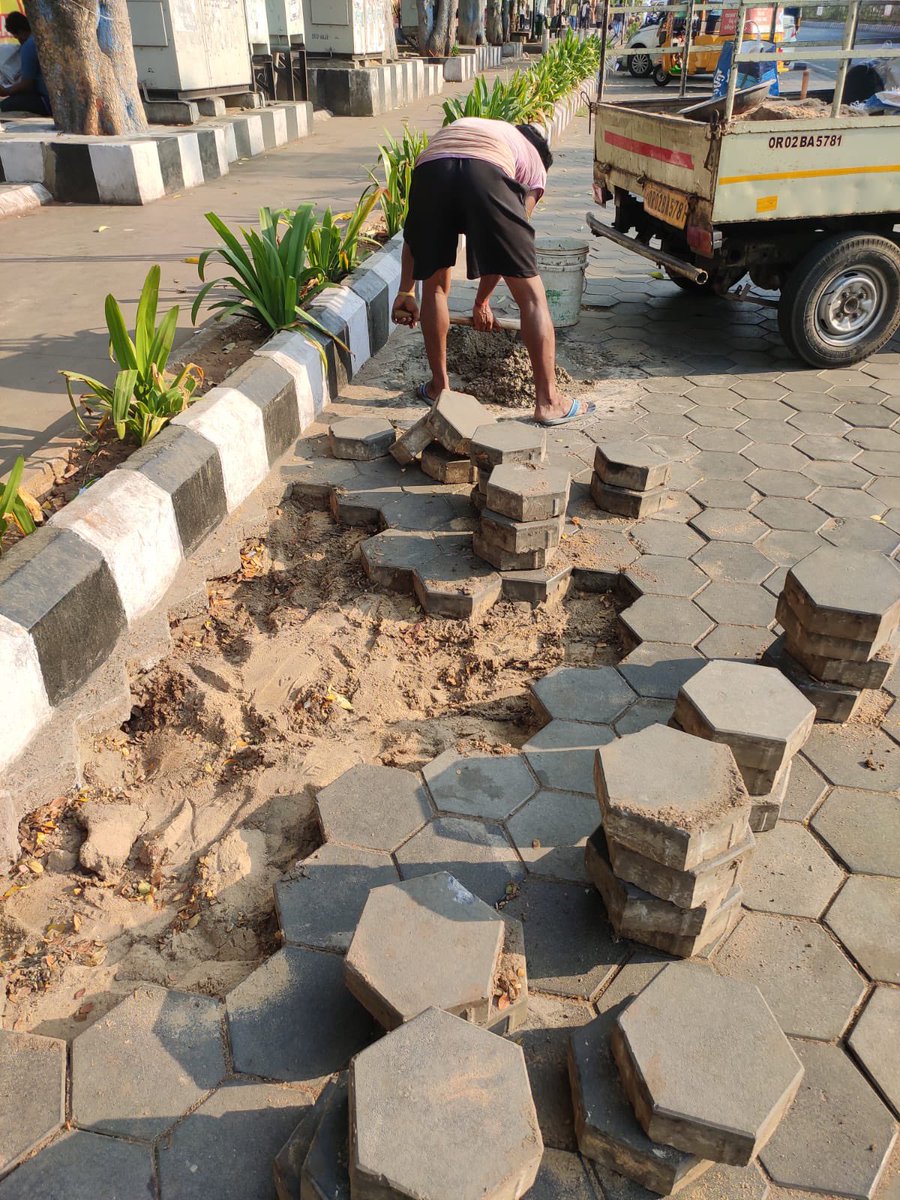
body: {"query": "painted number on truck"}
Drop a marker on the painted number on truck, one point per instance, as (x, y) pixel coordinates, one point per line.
(804, 141)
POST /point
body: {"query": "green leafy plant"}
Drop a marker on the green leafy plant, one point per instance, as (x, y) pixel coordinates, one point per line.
(144, 397)
(13, 509)
(334, 243)
(398, 158)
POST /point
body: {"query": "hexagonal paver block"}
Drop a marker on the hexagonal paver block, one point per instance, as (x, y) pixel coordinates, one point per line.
(632, 465)
(673, 798)
(148, 1061)
(863, 829)
(738, 604)
(837, 1135)
(325, 1169)
(780, 512)
(729, 525)
(658, 669)
(809, 984)
(643, 714)
(377, 808)
(754, 710)
(550, 833)
(506, 442)
(704, 1064)
(655, 536)
(625, 502)
(804, 791)
(562, 754)
(293, 1018)
(866, 917)
(846, 594)
(733, 562)
(477, 854)
(424, 1117)
(855, 757)
(453, 582)
(707, 884)
(483, 785)
(85, 1166)
(790, 873)
(875, 1043)
(454, 419)
(659, 618)
(440, 464)
(430, 943)
(528, 491)
(361, 438)
(662, 575)
(320, 901)
(32, 1092)
(518, 537)
(594, 694)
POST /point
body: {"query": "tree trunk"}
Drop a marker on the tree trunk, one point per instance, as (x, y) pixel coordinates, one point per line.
(425, 13)
(86, 56)
(505, 18)
(493, 30)
(443, 34)
(471, 22)
(390, 36)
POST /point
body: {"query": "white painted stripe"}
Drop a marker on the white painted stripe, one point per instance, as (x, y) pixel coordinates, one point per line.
(22, 159)
(26, 708)
(387, 266)
(235, 427)
(231, 153)
(351, 308)
(131, 521)
(126, 172)
(303, 362)
(255, 133)
(279, 117)
(191, 163)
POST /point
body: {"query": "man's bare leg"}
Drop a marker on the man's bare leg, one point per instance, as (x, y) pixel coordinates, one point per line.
(435, 318)
(539, 337)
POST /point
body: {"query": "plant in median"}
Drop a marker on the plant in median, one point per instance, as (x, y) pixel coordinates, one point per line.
(144, 397)
(13, 508)
(333, 244)
(398, 158)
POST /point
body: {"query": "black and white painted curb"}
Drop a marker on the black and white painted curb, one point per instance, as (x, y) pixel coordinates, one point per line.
(471, 62)
(351, 91)
(19, 198)
(69, 591)
(140, 169)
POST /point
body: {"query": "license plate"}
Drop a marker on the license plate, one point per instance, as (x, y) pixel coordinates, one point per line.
(669, 206)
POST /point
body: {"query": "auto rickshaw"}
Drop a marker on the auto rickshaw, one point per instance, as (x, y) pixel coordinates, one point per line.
(711, 29)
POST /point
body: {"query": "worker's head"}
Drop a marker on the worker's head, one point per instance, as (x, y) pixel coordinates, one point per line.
(17, 26)
(539, 142)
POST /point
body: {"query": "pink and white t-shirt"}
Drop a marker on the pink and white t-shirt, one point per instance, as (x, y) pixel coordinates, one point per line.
(495, 142)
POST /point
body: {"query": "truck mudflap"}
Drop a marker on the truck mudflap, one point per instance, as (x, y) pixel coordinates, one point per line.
(662, 259)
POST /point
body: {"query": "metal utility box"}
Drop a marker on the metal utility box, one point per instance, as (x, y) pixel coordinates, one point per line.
(285, 23)
(348, 28)
(190, 47)
(257, 26)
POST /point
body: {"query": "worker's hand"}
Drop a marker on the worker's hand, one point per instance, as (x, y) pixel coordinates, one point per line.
(482, 317)
(405, 310)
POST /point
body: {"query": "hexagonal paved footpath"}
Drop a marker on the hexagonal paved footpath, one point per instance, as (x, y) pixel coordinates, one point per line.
(32, 1092)
(562, 754)
(489, 786)
(863, 829)
(791, 873)
(550, 833)
(875, 1043)
(594, 694)
(377, 808)
(86, 1166)
(866, 917)
(478, 855)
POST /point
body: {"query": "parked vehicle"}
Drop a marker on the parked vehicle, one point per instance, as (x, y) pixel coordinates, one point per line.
(643, 44)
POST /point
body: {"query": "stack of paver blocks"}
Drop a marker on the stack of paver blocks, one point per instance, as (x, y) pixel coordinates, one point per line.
(442, 438)
(630, 479)
(758, 713)
(361, 439)
(675, 834)
(523, 515)
(503, 443)
(692, 1071)
(839, 610)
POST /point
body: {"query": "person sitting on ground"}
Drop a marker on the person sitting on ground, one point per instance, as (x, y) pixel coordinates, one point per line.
(28, 93)
(481, 178)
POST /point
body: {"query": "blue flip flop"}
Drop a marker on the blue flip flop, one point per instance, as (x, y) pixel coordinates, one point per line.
(572, 415)
(422, 394)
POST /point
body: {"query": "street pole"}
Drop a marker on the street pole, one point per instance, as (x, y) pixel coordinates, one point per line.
(603, 40)
(688, 41)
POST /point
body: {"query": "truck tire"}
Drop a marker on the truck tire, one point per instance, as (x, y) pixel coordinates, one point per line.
(640, 65)
(841, 302)
(661, 76)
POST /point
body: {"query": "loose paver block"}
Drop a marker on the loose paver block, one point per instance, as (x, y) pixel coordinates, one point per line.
(719, 1183)
(673, 798)
(483, 785)
(528, 491)
(705, 1064)
(791, 873)
(148, 1061)
(754, 710)
(410, 444)
(832, 701)
(454, 419)
(426, 943)
(592, 694)
(626, 502)
(293, 1018)
(86, 1166)
(863, 829)
(562, 754)
(871, 674)
(707, 884)
(866, 917)
(550, 833)
(325, 1173)
(519, 537)
(32, 1092)
(361, 438)
(658, 669)
(838, 1134)
(817, 645)
(506, 442)
(809, 984)
(875, 1043)
(664, 618)
(544, 1038)
(633, 465)
(373, 807)
(319, 902)
(287, 1164)
(846, 594)
(425, 1118)
(445, 467)
(510, 560)
(476, 854)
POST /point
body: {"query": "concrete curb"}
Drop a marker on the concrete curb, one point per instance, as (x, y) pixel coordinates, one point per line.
(348, 91)
(17, 199)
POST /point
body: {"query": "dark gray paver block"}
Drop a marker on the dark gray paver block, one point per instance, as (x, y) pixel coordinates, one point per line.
(658, 618)
(658, 669)
(287, 1164)
(148, 1061)
(550, 833)
(86, 1166)
(738, 604)
(476, 854)
(808, 983)
(871, 674)
(733, 562)
(789, 484)
(790, 873)
(875, 1043)
(293, 1019)
(226, 1147)
(373, 807)
(863, 829)
(445, 467)
(855, 757)
(483, 785)
(424, 1117)
(708, 884)
(642, 714)
(797, 635)
(325, 1173)
(543, 586)
(661, 575)
(320, 900)
(544, 1038)
(32, 1092)
(785, 513)
(846, 594)
(655, 536)
(528, 491)
(454, 419)
(506, 442)
(842, 502)
(745, 643)
(518, 537)
(723, 493)
(426, 943)
(453, 582)
(728, 525)
(562, 754)
(361, 438)
(410, 444)
(633, 465)
(722, 464)
(511, 560)
(719, 1183)
(832, 701)
(594, 694)
(626, 502)
(805, 789)
(837, 1135)
(671, 797)
(866, 917)
(742, 1073)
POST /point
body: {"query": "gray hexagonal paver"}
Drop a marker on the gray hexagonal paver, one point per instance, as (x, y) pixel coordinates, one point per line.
(842, 502)
(837, 1135)
(661, 575)
(32, 1092)
(875, 1043)
(455, 418)
(424, 1117)
(361, 438)
(737, 604)
(477, 854)
(808, 983)
(805, 789)
(485, 785)
(528, 491)
(664, 618)
(855, 757)
(655, 536)
(633, 465)
(723, 493)
(148, 1061)
(866, 917)
(846, 594)
(426, 943)
(704, 1063)
(731, 440)
(293, 1019)
(781, 512)
(722, 464)
(544, 1038)
(774, 457)
(658, 669)
(743, 643)
(562, 754)
(373, 807)
(550, 833)
(671, 797)
(729, 525)
(506, 442)
(643, 714)
(733, 562)
(790, 873)
(85, 1166)
(325, 1169)
(863, 829)
(858, 533)
(788, 484)
(595, 694)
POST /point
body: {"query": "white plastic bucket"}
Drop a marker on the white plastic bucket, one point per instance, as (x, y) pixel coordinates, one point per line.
(561, 263)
